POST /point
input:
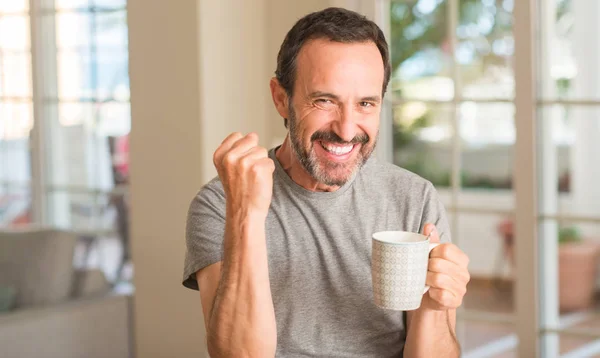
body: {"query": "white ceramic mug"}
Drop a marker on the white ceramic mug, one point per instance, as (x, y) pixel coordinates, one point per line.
(399, 261)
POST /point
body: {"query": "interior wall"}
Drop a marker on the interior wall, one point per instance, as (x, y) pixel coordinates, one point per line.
(166, 171)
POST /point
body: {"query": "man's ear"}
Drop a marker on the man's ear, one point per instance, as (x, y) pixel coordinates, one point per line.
(280, 98)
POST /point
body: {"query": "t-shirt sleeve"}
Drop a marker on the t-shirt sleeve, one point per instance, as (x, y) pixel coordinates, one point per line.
(435, 213)
(205, 230)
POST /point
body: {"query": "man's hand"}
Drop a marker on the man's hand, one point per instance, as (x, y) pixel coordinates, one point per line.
(447, 275)
(246, 172)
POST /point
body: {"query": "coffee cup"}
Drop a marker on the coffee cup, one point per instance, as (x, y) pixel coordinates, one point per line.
(399, 261)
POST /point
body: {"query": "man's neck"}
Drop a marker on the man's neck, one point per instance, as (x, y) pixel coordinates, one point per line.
(294, 169)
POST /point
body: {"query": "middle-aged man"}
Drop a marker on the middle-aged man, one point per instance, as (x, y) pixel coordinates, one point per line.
(279, 245)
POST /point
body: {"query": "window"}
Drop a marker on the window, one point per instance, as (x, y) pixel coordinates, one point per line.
(77, 141)
(458, 122)
(16, 113)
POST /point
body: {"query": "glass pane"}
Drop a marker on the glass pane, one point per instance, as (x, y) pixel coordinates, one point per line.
(422, 140)
(488, 240)
(76, 211)
(570, 142)
(75, 76)
(114, 119)
(8, 6)
(111, 29)
(113, 75)
(488, 135)
(570, 55)
(14, 33)
(110, 4)
(76, 114)
(16, 120)
(80, 156)
(70, 154)
(71, 4)
(569, 279)
(73, 30)
(15, 74)
(489, 340)
(485, 48)
(15, 206)
(421, 58)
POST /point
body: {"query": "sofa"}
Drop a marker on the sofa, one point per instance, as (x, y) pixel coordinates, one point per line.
(57, 310)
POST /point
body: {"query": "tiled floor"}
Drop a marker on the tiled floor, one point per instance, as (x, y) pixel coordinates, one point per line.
(481, 339)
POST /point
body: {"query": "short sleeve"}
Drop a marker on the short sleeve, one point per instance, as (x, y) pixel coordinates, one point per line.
(205, 230)
(435, 213)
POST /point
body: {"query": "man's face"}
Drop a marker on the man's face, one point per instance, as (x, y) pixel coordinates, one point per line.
(335, 107)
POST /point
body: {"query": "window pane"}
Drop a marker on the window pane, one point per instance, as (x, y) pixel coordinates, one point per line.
(570, 142)
(570, 56)
(113, 75)
(73, 30)
(16, 120)
(80, 156)
(485, 49)
(8, 6)
(70, 143)
(111, 29)
(488, 135)
(75, 76)
(15, 75)
(114, 119)
(421, 58)
(569, 280)
(14, 159)
(422, 140)
(14, 32)
(111, 4)
(72, 4)
(15, 206)
(77, 211)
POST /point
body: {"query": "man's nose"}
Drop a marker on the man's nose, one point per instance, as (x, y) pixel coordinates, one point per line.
(345, 125)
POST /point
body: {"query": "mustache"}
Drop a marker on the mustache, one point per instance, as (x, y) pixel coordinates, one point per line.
(334, 138)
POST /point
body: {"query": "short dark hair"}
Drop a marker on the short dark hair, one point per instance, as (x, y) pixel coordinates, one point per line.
(334, 24)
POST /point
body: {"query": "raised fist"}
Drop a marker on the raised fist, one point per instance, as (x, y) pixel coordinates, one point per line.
(246, 172)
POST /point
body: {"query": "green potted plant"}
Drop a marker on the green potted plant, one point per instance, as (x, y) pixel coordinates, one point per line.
(577, 265)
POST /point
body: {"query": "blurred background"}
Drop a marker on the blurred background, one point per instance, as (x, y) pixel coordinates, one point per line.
(110, 111)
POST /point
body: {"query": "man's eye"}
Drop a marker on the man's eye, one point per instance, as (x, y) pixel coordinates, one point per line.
(366, 104)
(323, 101)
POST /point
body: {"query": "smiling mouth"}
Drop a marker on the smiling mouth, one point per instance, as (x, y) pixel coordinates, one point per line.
(337, 149)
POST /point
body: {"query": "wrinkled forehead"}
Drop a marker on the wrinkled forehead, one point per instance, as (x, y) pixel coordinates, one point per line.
(341, 68)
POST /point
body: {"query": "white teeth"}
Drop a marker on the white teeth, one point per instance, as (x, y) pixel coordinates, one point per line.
(338, 150)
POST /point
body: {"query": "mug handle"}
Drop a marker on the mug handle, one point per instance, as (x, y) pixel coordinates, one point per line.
(432, 245)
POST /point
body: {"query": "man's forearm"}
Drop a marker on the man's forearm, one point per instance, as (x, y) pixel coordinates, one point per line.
(431, 334)
(242, 320)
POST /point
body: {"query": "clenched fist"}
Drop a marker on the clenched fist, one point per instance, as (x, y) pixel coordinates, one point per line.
(246, 172)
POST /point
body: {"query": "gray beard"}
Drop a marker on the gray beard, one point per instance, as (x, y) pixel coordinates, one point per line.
(310, 163)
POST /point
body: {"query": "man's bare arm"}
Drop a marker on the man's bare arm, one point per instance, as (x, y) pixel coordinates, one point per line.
(236, 297)
(431, 334)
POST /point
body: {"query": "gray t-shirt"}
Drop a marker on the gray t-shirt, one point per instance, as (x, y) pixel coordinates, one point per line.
(319, 252)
